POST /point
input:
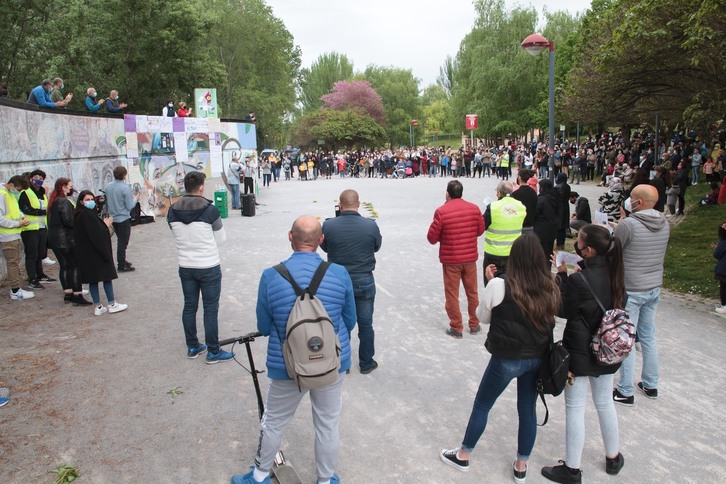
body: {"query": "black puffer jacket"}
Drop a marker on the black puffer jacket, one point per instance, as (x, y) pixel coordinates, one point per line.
(583, 315)
(60, 224)
(511, 335)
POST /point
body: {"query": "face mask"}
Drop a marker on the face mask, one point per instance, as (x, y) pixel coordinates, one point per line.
(116, 98)
(90, 204)
(170, 105)
(578, 251)
(37, 183)
(62, 86)
(93, 95)
(628, 205)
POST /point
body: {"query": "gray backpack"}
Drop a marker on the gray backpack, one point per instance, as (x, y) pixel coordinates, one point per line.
(311, 349)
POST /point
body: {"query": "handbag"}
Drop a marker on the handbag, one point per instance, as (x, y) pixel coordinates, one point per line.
(552, 374)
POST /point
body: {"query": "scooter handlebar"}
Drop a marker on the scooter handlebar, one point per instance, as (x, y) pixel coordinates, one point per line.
(241, 339)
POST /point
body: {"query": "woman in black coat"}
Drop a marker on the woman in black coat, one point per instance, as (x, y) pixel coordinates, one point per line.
(60, 239)
(564, 190)
(681, 179)
(93, 252)
(547, 216)
(602, 265)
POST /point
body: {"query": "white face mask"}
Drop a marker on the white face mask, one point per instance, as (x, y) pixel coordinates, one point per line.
(628, 205)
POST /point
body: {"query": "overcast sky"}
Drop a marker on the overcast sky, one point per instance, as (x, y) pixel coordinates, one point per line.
(402, 33)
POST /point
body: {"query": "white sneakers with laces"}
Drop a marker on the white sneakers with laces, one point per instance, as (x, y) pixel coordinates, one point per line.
(21, 294)
(116, 307)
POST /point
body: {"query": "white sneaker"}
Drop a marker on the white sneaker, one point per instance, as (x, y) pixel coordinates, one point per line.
(48, 261)
(99, 310)
(116, 307)
(719, 309)
(21, 294)
(84, 292)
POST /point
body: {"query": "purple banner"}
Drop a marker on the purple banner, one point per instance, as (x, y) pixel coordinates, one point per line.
(178, 124)
(129, 123)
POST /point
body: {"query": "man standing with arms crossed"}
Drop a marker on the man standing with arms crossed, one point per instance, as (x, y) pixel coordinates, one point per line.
(120, 201)
(644, 235)
(352, 241)
(197, 228)
(456, 226)
(275, 299)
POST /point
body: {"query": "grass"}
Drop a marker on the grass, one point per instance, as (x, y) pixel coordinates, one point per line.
(689, 261)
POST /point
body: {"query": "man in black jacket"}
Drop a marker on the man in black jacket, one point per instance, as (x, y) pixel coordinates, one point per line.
(528, 197)
(352, 241)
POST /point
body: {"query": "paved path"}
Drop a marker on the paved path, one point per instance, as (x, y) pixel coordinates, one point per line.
(93, 391)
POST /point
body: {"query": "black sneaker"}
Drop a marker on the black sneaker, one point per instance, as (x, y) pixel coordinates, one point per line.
(35, 284)
(649, 392)
(45, 278)
(475, 330)
(126, 268)
(455, 334)
(365, 371)
(613, 466)
(563, 474)
(520, 477)
(620, 398)
(449, 457)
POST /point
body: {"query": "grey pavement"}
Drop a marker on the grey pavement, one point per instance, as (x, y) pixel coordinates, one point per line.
(94, 391)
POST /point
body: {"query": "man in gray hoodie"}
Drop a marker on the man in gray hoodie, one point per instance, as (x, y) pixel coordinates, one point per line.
(644, 235)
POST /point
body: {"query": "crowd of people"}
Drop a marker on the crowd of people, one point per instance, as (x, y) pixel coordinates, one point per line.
(67, 222)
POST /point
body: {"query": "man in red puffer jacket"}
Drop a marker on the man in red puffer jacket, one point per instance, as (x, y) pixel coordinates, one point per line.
(457, 225)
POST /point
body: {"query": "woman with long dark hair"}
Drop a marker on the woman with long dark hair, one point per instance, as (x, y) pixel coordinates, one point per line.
(602, 267)
(521, 309)
(94, 253)
(61, 240)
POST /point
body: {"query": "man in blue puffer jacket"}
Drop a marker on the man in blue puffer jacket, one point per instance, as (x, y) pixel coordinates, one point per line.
(275, 299)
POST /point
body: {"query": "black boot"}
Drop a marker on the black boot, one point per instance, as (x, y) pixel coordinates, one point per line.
(79, 300)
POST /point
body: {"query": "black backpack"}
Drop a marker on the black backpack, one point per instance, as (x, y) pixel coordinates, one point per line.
(552, 374)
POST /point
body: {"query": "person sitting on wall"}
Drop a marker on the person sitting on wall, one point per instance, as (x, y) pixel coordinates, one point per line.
(91, 103)
(112, 104)
(56, 95)
(40, 96)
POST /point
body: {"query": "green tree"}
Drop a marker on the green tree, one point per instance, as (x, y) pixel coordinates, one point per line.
(319, 79)
(435, 111)
(399, 90)
(338, 128)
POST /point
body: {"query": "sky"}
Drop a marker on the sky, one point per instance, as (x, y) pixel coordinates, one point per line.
(399, 33)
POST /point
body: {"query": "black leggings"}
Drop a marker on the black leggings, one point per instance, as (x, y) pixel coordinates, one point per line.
(68, 274)
(723, 292)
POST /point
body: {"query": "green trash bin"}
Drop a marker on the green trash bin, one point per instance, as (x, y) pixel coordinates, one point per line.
(220, 201)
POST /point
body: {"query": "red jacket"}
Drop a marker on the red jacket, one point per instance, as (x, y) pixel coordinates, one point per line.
(457, 225)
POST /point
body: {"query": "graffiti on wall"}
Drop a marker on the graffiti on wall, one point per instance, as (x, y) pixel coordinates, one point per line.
(86, 149)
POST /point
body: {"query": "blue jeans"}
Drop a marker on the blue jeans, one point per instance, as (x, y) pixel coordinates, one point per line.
(694, 173)
(364, 290)
(642, 307)
(496, 378)
(234, 189)
(209, 283)
(96, 296)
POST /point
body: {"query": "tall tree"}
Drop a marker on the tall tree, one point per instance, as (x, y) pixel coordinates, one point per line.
(318, 80)
(399, 90)
(357, 96)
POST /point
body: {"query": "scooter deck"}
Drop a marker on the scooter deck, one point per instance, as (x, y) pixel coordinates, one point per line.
(285, 474)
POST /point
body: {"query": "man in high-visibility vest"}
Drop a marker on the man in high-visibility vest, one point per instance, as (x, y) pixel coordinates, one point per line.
(503, 220)
(12, 223)
(33, 203)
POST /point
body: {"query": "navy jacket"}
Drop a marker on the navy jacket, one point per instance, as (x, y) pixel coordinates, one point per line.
(352, 241)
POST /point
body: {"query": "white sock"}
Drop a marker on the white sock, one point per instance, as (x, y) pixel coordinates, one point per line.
(260, 476)
(326, 481)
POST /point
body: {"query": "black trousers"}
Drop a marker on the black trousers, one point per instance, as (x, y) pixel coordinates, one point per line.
(249, 185)
(31, 244)
(123, 234)
(70, 277)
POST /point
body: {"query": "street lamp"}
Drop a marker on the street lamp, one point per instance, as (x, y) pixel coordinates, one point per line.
(534, 45)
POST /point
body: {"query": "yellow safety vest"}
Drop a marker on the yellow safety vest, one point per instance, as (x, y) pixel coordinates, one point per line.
(505, 160)
(35, 203)
(11, 203)
(507, 218)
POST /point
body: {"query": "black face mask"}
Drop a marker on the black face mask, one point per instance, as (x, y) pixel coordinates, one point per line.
(578, 251)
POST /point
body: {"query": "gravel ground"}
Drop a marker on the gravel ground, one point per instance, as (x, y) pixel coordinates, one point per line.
(99, 392)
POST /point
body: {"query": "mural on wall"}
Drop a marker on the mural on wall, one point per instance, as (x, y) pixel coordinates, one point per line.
(157, 151)
(169, 148)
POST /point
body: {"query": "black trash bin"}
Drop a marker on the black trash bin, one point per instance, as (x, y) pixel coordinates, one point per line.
(248, 205)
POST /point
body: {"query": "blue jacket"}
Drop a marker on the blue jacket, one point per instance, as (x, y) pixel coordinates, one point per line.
(720, 254)
(41, 97)
(275, 298)
(352, 241)
(119, 201)
(91, 104)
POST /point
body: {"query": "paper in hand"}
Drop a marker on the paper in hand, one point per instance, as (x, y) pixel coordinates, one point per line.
(567, 258)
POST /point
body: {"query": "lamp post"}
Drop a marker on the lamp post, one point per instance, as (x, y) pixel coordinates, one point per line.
(534, 45)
